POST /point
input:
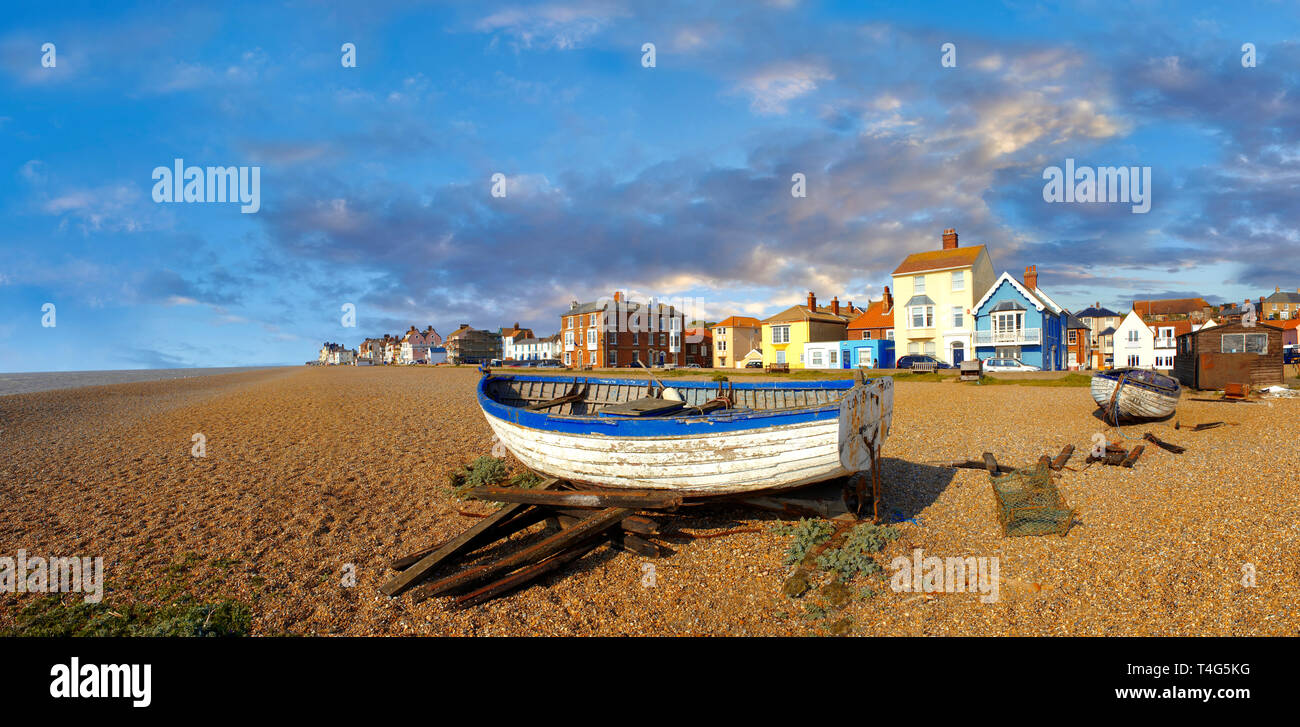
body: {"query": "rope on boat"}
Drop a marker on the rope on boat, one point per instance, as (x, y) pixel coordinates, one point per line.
(1113, 408)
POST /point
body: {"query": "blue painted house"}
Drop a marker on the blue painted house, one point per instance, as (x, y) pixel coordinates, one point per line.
(874, 353)
(1017, 320)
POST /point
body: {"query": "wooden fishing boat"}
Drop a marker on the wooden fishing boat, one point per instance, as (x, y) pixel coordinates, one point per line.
(699, 438)
(1131, 393)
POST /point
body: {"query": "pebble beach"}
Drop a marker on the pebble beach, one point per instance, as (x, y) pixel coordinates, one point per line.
(311, 474)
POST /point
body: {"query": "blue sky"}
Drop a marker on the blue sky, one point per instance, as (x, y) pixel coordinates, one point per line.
(672, 181)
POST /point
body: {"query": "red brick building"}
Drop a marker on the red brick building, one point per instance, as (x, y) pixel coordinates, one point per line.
(618, 333)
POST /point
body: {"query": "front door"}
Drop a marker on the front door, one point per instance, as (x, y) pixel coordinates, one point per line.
(780, 357)
(958, 353)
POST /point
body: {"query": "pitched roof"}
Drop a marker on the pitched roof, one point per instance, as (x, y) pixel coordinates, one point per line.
(957, 257)
(874, 317)
(1110, 331)
(1024, 292)
(1180, 326)
(804, 313)
(1097, 312)
(1283, 296)
(1169, 306)
(1284, 325)
(1072, 321)
(738, 322)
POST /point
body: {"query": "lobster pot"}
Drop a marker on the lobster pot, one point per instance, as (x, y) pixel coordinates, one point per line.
(1027, 503)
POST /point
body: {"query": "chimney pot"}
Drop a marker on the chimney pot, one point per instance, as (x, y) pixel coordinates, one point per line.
(950, 239)
(812, 302)
(835, 305)
(618, 296)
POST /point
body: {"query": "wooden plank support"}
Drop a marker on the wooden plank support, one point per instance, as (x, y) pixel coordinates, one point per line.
(1133, 455)
(638, 524)
(636, 499)
(974, 465)
(593, 525)
(520, 577)
(1163, 444)
(1063, 458)
(509, 519)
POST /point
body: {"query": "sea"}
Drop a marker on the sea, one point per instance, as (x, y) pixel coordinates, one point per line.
(26, 383)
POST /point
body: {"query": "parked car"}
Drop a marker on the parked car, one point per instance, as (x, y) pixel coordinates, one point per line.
(692, 366)
(911, 360)
(1291, 354)
(753, 364)
(1008, 364)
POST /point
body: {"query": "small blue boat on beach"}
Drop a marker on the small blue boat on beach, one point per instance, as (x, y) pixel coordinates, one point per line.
(698, 438)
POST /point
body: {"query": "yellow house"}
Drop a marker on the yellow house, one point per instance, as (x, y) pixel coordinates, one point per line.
(785, 333)
(934, 294)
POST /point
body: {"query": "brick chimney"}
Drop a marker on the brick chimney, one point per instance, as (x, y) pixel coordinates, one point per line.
(835, 305)
(889, 300)
(812, 302)
(950, 239)
(618, 296)
(1031, 277)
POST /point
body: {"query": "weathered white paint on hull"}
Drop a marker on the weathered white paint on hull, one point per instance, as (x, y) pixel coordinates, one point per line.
(1133, 401)
(771, 458)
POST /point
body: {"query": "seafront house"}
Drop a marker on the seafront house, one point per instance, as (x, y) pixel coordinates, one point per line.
(335, 354)
(1280, 306)
(508, 338)
(872, 353)
(877, 322)
(1101, 323)
(787, 333)
(467, 345)
(1077, 343)
(733, 338)
(1018, 320)
(537, 349)
(620, 333)
(1148, 346)
(939, 289)
(414, 346)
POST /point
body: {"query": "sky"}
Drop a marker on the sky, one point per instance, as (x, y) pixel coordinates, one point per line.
(671, 181)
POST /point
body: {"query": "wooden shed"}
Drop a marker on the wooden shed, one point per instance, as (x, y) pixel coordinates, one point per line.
(1229, 353)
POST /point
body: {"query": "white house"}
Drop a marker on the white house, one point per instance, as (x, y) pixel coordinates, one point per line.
(1147, 346)
(536, 349)
(821, 355)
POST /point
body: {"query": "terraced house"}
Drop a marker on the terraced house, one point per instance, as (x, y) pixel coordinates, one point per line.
(620, 333)
(939, 289)
(786, 334)
(466, 345)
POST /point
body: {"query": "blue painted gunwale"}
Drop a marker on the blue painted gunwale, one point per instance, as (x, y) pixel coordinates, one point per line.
(662, 427)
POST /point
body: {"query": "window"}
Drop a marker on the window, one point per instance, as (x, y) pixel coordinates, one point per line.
(958, 280)
(568, 359)
(591, 338)
(913, 348)
(918, 285)
(1134, 360)
(720, 331)
(636, 338)
(722, 345)
(569, 320)
(922, 316)
(930, 348)
(957, 317)
(866, 335)
(1133, 335)
(864, 357)
(568, 339)
(780, 334)
(1244, 343)
(1074, 338)
(817, 358)
(780, 357)
(889, 334)
(835, 356)
(613, 357)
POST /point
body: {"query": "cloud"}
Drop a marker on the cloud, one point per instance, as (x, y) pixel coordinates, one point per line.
(772, 88)
(557, 26)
